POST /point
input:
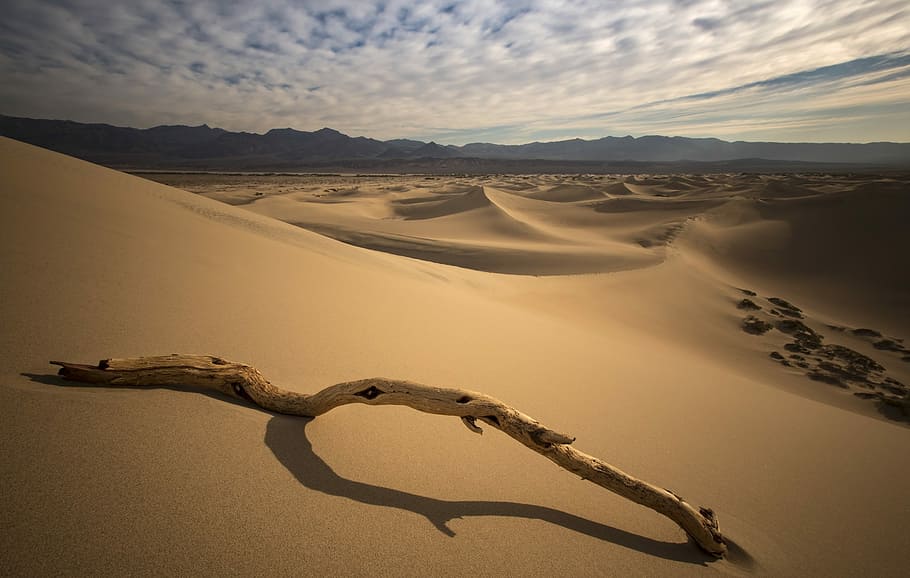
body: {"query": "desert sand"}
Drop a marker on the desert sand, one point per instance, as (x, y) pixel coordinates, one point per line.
(612, 308)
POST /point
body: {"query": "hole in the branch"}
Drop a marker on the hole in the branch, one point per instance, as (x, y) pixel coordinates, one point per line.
(103, 364)
(240, 391)
(492, 419)
(465, 399)
(370, 393)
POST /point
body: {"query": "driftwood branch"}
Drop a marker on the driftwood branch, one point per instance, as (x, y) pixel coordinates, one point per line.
(245, 382)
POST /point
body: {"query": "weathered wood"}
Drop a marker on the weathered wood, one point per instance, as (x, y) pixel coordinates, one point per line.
(245, 382)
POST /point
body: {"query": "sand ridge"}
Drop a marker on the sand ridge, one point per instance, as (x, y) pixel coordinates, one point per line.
(802, 231)
(646, 365)
(812, 232)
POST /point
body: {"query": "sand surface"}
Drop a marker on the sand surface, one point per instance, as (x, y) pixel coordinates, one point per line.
(604, 307)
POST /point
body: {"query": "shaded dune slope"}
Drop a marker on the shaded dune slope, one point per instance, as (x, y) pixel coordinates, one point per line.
(648, 368)
(831, 243)
(759, 225)
(843, 247)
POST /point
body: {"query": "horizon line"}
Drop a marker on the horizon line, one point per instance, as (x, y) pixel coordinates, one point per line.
(206, 125)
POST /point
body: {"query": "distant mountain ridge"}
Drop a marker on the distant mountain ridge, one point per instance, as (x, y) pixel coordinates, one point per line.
(202, 147)
(674, 149)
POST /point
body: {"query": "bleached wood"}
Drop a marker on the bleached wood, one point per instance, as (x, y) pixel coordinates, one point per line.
(245, 382)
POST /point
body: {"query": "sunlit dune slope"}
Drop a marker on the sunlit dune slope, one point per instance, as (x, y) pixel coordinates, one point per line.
(648, 368)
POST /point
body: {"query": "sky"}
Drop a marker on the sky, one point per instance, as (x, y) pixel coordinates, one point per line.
(468, 71)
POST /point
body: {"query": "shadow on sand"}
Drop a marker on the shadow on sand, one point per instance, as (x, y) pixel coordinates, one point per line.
(286, 437)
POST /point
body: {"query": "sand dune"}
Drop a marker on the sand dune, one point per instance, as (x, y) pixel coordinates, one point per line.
(646, 363)
(631, 204)
(809, 231)
(436, 206)
(803, 236)
(842, 249)
(568, 193)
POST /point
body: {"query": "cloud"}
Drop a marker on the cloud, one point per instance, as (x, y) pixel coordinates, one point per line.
(468, 70)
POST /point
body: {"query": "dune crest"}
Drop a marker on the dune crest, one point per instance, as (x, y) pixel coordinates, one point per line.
(648, 364)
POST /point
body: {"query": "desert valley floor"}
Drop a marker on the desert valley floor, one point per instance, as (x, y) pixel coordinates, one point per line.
(738, 339)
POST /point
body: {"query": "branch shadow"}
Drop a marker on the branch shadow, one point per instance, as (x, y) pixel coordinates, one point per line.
(54, 379)
(286, 437)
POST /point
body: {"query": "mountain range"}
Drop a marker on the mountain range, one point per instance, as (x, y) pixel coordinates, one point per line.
(205, 148)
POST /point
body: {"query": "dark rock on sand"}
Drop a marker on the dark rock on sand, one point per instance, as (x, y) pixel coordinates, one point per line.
(748, 305)
(756, 326)
(863, 332)
(888, 345)
(826, 378)
(787, 308)
(861, 363)
(803, 335)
